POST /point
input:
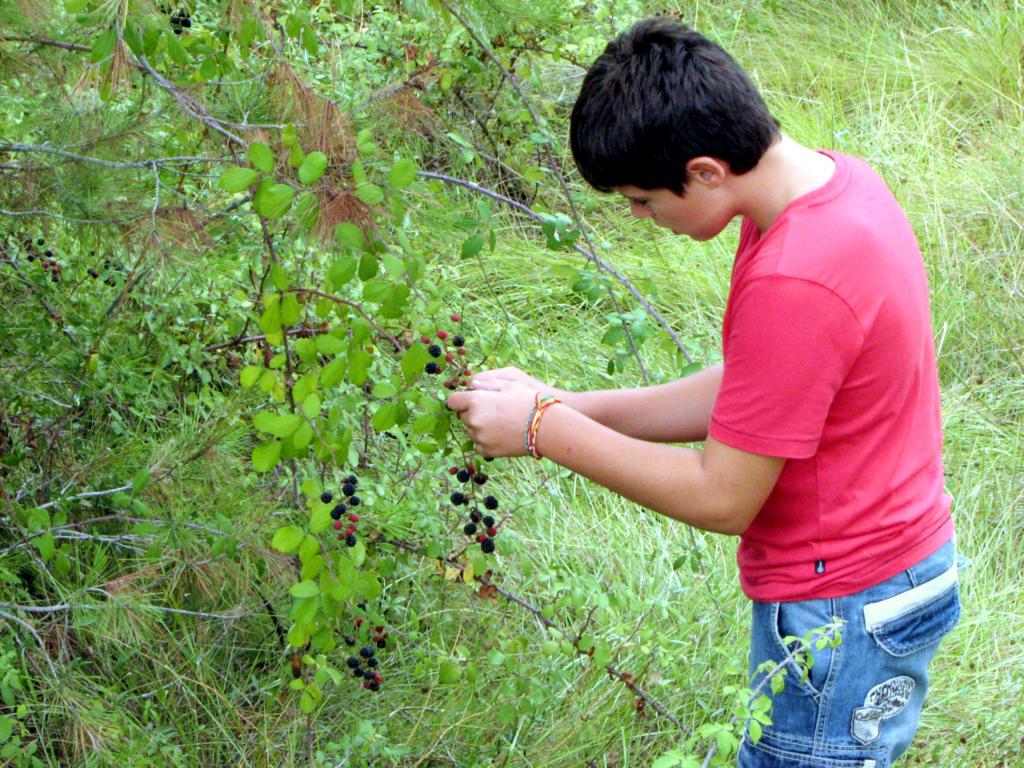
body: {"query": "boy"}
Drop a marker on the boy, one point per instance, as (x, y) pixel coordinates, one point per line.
(822, 427)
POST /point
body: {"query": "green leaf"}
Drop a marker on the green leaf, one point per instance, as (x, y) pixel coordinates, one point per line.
(303, 589)
(367, 266)
(279, 277)
(45, 546)
(176, 50)
(450, 673)
(71, 6)
(310, 41)
(311, 406)
(277, 424)
(261, 157)
(329, 344)
(385, 417)
(333, 372)
(273, 200)
(265, 456)
(471, 246)
(250, 375)
(383, 389)
(358, 366)
(403, 173)
(237, 179)
(104, 45)
(348, 234)
(413, 362)
(369, 193)
(312, 168)
(287, 539)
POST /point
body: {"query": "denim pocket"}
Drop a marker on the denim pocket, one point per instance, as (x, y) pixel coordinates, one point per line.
(796, 620)
(915, 619)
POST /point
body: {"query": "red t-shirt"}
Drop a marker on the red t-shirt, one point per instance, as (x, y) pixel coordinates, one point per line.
(830, 362)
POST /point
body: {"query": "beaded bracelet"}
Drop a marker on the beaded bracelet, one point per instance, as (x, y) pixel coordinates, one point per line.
(533, 422)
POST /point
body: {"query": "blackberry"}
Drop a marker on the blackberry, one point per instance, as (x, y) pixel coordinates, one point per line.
(463, 476)
(357, 672)
(354, 501)
(352, 662)
(349, 640)
(474, 516)
(487, 545)
(348, 489)
(374, 686)
(40, 242)
(491, 503)
(350, 540)
(434, 350)
(458, 498)
(366, 651)
(458, 341)
(338, 511)
(326, 497)
(372, 662)
(368, 674)
(351, 480)
(432, 368)
(480, 478)
(488, 521)
(93, 273)
(470, 529)
(382, 643)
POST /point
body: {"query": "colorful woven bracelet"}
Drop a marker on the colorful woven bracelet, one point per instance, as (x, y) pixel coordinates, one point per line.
(533, 424)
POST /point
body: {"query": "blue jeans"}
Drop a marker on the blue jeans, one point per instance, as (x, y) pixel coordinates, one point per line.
(860, 704)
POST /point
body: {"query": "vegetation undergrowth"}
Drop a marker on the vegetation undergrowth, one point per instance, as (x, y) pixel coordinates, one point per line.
(248, 234)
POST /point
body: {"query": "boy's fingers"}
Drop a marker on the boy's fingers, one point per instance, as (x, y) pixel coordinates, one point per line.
(459, 401)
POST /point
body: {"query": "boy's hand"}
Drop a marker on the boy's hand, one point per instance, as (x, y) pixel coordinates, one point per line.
(496, 419)
(502, 378)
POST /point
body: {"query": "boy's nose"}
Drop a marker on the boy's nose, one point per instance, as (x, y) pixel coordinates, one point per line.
(639, 211)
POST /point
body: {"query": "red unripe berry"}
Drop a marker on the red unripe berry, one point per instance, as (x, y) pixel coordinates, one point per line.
(453, 470)
(425, 339)
(337, 525)
(350, 530)
(341, 537)
(359, 623)
(384, 635)
(442, 335)
(366, 684)
(467, 372)
(462, 350)
(471, 469)
(378, 629)
(354, 517)
(449, 356)
(492, 531)
(481, 537)
(456, 318)
(377, 678)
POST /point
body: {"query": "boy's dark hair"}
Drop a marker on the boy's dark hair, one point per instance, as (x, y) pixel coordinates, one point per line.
(660, 95)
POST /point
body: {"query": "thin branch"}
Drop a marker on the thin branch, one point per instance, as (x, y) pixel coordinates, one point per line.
(338, 300)
(302, 333)
(70, 219)
(44, 41)
(593, 257)
(158, 162)
(554, 165)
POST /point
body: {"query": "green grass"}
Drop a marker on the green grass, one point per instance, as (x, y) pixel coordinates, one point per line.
(933, 95)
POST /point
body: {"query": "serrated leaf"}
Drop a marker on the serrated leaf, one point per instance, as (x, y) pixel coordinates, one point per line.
(265, 456)
(261, 157)
(287, 539)
(312, 168)
(385, 417)
(104, 45)
(250, 375)
(304, 589)
(403, 173)
(450, 673)
(276, 424)
(237, 179)
(273, 200)
(471, 246)
(369, 193)
(333, 372)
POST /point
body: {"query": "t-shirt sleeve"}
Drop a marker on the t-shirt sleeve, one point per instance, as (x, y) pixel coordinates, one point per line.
(790, 345)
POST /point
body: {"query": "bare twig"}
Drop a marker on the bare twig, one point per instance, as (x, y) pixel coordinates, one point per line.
(164, 163)
(44, 41)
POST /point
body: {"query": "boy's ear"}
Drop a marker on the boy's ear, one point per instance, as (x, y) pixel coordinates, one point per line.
(708, 171)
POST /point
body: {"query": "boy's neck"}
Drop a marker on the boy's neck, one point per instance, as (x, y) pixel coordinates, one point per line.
(786, 171)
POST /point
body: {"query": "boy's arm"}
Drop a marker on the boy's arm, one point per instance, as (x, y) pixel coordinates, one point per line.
(676, 412)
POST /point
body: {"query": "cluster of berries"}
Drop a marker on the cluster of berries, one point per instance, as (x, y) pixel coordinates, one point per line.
(348, 488)
(481, 526)
(370, 676)
(46, 259)
(436, 351)
(181, 21)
